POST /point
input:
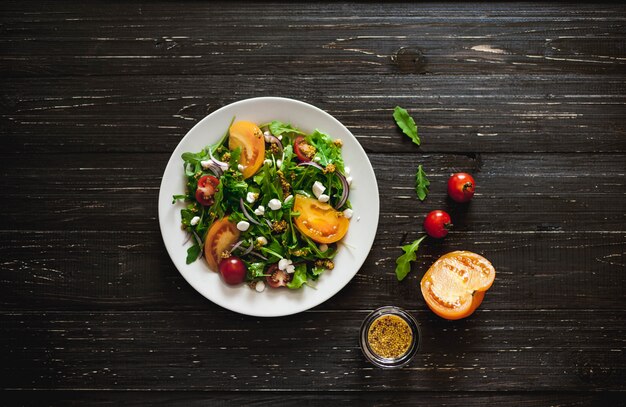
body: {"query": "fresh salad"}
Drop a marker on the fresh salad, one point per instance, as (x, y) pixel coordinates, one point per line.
(267, 204)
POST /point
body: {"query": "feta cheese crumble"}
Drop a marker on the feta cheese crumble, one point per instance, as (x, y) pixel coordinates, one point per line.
(274, 204)
(243, 225)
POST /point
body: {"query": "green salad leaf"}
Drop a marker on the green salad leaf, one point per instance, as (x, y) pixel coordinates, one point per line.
(193, 252)
(278, 128)
(298, 278)
(403, 263)
(421, 183)
(406, 123)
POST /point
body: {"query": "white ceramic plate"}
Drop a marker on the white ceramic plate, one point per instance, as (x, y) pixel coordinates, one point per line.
(351, 254)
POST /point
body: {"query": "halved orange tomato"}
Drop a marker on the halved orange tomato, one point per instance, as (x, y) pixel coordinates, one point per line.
(319, 221)
(455, 285)
(249, 137)
(222, 234)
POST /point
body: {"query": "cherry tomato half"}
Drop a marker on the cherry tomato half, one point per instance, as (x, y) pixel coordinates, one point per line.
(461, 187)
(207, 186)
(304, 151)
(233, 270)
(437, 224)
(277, 277)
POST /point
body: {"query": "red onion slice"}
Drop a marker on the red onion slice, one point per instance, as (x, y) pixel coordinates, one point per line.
(236, 245)
(245, 212)
(223, 165)
(270, 138)
(260, 256)
(249, 249)
(342, 179)
(215, 169)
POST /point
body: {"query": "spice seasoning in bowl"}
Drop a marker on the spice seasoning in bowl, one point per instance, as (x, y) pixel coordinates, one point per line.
(390, 337)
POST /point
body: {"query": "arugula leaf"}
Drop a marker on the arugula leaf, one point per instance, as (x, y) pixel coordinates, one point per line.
(178, 197)
(298, 278)
(403, 263)
(406, 123)
(193, 252)
(421, 183)
(327, 150)
(277, 128)
(256, 270)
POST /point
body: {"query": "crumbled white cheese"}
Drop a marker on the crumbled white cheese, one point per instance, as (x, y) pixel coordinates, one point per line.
(243, 225)
(251, 197)
(260, 211)
(261, 240)
(279, 163)
(349, 180)
(268, 136)
(241, 168)
(323, 247)
(274, 204)
(284, 263)
(280, 136)
(323, 198)
(348, 213)
(289, 198)
(346, 170)
(194, 221)
(259, 287)
(318, 189)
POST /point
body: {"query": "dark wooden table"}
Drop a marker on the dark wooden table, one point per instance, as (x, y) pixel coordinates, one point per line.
(529, 98)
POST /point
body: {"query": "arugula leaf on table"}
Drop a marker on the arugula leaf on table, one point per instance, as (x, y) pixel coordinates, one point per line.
(421, 183)
(403, 263)
(406, 123)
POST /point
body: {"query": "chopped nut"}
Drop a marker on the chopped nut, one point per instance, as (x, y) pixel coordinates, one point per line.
(226, 156)
(326, 264)
(279, 226)
(225, 254)
(307, 150)
(338, 142)
(330, 168)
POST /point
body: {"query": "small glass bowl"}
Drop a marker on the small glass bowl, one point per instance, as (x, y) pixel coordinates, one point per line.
(390, 363)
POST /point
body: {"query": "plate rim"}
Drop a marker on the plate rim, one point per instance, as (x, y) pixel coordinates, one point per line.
(331, 293)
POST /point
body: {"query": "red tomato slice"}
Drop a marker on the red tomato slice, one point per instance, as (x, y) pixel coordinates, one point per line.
(319, 221)
(221, 236)
(207, 186)
(249, 137)
(304, 151)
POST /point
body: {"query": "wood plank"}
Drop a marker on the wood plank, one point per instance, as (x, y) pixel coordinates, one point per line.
(487, 113)
(568, 192)
(130, 39)
(132, 271)
(212, 350)
(311, 398)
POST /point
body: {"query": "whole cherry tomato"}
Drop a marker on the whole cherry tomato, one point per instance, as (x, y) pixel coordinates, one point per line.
(437, 224)
(233, 270)
(461, 187)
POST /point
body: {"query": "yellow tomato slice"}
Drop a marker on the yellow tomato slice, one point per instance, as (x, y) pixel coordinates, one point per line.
(220, 237)
(454, 286)
(319, 221)
(249, 137)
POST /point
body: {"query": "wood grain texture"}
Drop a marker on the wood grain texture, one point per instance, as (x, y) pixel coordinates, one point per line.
(528, 97)
(173, 351)
(479, 113)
